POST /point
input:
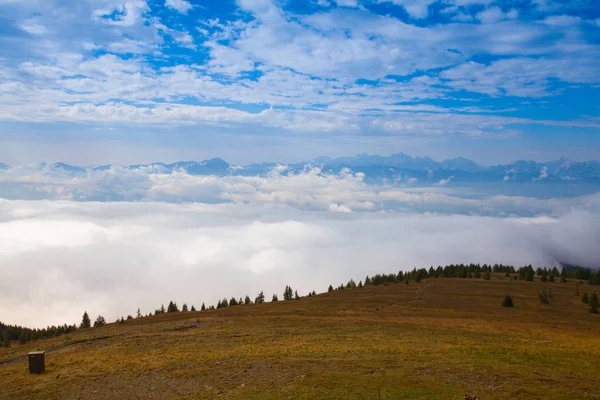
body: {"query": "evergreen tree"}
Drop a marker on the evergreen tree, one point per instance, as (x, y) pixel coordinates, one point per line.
(314, 293)
(193, 308)
(233, 302)
(100, 321)
(260, 299)
(551, 278)
(360, 284)
(172, 307)
(274, 298)
(224, 302)
(162, 309)
(23, 337)
(330, 288)
(508, 302)
(247, 300)
(6, 338)
(594, 303)
(367, 281)
(184, 307)
(138, 314)
(487, 276)
(85, 321)
(585, 299)
(543, 297)
(203, 308)
(288, 294)
(296, 295)
(529, 276)
(544, 277)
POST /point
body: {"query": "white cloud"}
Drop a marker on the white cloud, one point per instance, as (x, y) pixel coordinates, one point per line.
(61, 258)
(183, 6)
(347, 3)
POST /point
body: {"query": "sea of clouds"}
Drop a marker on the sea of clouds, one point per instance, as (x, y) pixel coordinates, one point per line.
(194, 239)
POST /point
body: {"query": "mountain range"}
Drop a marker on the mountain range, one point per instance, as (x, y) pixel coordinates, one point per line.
(396, 168)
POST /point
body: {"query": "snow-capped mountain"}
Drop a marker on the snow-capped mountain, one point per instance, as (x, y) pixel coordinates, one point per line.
(397, 168)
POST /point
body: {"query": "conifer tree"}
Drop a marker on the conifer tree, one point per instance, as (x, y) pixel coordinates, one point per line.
(585, 299)
(367, 281)
(85, 321)
(138, 314)
(260, 299)
(487, 276)
(172, 307)
(203, 308)
(543, 297)
(184, 307)
(193, 308)
(274, 298)
(296, 295)
(594, 303)
(508, 302)
(247, 300)
(233, 302)
(314, 293)
(100, 321)
(360, 284)
(224, 302)
(162, 309)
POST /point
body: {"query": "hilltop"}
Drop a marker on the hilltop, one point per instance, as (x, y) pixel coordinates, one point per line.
(436, 339)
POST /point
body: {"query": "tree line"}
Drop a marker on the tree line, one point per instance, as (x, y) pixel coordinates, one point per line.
(13, 333)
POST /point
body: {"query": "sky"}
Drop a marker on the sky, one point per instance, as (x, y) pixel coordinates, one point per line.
(97, 82)
(125, 81)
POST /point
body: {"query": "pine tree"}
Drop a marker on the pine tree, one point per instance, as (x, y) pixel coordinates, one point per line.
(487, 276)
(193, 308)
(296, 295)
(594, 303)
(184, 307)
(162, 309)
(203, 308)
(314, 293)
(100, 321)
(224, 302)
(360, 284)
(233, 302)
(288, 294)
(138, 314)
(260, 299)
(585, 299)
(274, 298)
(367, 281)
(508, 302)
(172, 307)
(247, 300)
(330, 288)
(543, 297)
(85, 321)
(529, 276)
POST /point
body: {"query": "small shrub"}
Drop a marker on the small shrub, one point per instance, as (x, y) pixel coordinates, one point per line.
(487, 276)
(543, 296)
(508, 302)
(585, 299)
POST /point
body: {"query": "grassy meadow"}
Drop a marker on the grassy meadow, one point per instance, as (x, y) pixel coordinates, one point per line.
(437, 339)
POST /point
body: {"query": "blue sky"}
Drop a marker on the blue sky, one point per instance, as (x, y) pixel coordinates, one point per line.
(128, 81)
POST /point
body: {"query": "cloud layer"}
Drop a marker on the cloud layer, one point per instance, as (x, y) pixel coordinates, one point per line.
(60, 258)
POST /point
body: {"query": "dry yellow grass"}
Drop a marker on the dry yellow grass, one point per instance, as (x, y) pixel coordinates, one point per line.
(439, 339)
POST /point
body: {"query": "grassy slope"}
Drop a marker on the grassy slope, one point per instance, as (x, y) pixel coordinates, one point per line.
(440, 339)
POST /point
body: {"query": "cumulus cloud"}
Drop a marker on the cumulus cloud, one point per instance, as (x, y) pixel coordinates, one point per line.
(183, 6)
(60, 258)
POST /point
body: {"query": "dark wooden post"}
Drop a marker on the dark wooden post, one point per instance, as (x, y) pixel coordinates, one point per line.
(37, 362)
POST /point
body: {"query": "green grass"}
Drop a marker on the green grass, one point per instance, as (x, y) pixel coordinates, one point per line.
(440, 339)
